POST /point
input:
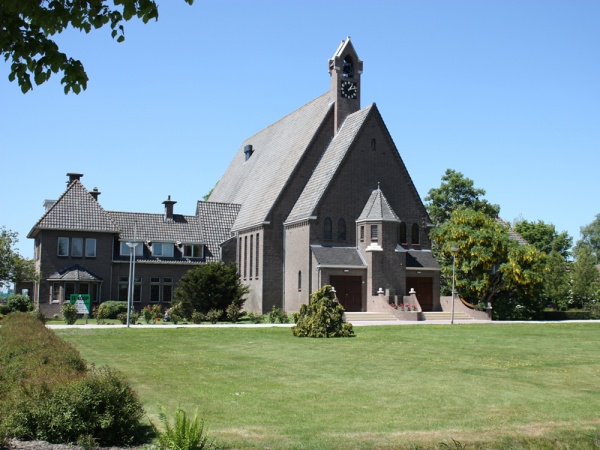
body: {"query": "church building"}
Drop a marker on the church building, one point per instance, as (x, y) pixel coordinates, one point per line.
(320, 197)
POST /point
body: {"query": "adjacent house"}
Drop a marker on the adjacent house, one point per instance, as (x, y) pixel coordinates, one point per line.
(320, 197)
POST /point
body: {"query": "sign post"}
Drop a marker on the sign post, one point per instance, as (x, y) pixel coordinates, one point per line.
(82, 304)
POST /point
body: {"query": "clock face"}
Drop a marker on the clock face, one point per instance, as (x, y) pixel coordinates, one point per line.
(349, 89)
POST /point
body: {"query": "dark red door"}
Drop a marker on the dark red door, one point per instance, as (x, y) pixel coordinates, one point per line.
(348, 291)
(424, 289)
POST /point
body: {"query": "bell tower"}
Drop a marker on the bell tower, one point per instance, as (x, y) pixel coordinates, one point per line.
(345, 69)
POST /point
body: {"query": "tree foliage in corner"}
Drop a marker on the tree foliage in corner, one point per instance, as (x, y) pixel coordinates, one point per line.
(490, 267)
(455, 192)
(322, 317)
(211, 286)
(590, 237)
(13, 267)
(27, 27)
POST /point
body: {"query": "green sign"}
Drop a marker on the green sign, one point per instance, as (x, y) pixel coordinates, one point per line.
(81, 302)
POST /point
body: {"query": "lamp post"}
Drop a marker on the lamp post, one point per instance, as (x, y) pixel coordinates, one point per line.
(453, 249)
(132, 246)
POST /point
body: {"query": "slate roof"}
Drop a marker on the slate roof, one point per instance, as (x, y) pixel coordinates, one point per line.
(76, 209)
(421, 259)
(378, 208)
(337, 256)
(74, 273)
(257, 183)
(308, 201)
(156, 228)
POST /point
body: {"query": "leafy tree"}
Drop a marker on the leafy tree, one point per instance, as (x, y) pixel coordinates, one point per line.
(585, 279)
(322, 317)
(544, 237)
(456, 191)
(211, 286)
(490, 267)
(556, 280)
(590, 237)
(13, 267)
(26, 28)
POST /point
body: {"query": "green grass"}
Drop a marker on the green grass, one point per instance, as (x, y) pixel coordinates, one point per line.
(388, 387)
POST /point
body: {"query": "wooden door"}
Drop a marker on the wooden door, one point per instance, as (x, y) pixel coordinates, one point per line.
(424, 289)
(348, 291)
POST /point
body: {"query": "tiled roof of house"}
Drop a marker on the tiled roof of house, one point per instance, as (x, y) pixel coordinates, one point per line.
(337, 256)
(156, 227)
(378, 208)
(216, 220)
(326, 168)
(512, 234)
(76, 209)
(256, 184)
(421, 259)
(74, 273)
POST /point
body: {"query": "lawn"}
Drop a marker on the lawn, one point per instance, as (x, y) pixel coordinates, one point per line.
(387, 387)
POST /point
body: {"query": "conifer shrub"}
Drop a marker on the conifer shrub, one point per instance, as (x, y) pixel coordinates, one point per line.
(278, 315)
(322, 317)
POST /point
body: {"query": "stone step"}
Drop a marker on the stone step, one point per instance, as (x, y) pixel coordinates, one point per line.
(368, 317)
(445, 315)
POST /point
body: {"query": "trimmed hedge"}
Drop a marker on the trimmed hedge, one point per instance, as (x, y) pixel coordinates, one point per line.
(48, 393)
(111, 309)
(569, 315)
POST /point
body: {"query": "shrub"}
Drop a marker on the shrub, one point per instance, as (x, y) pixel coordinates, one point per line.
(322, 317)
(197, 317)
(234, 312)
(151, 313)
(255, 318)
(19, 302)
(214, 315)
(133, 317)
(183, 433)
(111, 309)
(278, 315)
(69, 313)
(39, 315)
(175, 318)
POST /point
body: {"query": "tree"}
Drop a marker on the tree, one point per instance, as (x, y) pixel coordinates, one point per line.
(26, 27)
(13, 267)
(544, 237)
(590, 237)
(214, 285)
(585, 279)
(456, 191)
(556, 280)
(490, 267)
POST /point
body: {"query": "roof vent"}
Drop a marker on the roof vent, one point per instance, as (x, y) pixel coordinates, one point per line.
(95, 193)
(248, 151)
(73, 177)
(169, 208)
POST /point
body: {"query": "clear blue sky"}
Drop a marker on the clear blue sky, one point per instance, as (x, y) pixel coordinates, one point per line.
(505, 91)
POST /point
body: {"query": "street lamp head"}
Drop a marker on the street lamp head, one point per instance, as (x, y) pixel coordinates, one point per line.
(132, 244)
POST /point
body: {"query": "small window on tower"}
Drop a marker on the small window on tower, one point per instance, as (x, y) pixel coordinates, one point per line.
(348, 70)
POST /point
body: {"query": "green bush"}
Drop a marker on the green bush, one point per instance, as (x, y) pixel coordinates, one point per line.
(234, 313)
(197, 317)
(278, 315)
(69, 313)
(568, 315)
(255, 318)
(19, 302)
(323, 317)
(151, 313)
(133, 317)
(111, 309)
(183, 433)
(39, 315)
(214, 315)
(46, 392)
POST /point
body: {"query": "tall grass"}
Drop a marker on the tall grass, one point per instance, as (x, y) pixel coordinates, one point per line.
(388, 387)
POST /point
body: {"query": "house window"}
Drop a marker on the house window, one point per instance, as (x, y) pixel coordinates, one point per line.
(299, 280)
(251, 254)
(193, 251)
(77, 247)
(327, 230)
(63, 246)
(56, 291)
(374, 233)
(415, 234)
(402, 233)
(125, 251)
(154, 289)
(257, 253)
(90, 248)
(161, 290)
(362, 233)
(90, 289)
(124, 287)
(341, 230)
(167, 289)
(162, 249)
(69, 289)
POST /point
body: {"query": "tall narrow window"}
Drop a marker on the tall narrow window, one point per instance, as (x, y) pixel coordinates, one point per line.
(415, 234)
(299, 280)
(154, 290)
(240, 256)
(257, 253)
(327, 229)
(245, 255)
(373, 144)
(77, 247)
(63, 246)
(90, 248)
(167, 289)
(251, 255)
(374, 233)
(341, 230)
(362, 233)
(402, 232)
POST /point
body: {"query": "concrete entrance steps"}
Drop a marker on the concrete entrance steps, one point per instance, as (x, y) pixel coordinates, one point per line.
(369, 317)
(443, 315)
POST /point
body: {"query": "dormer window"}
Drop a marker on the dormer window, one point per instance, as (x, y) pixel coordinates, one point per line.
(193, 250)
(126, 251)
(163, 249)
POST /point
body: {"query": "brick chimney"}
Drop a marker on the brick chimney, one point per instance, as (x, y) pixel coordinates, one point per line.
(169, 208)
(95, 193)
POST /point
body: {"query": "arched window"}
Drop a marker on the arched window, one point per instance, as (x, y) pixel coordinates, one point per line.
(299, 280)
(341, 230)
(348, 70)
(415, 234)
(327, 229)
(402, 233)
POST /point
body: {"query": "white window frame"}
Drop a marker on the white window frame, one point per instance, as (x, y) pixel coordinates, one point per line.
(158, 249)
